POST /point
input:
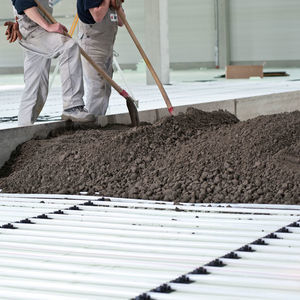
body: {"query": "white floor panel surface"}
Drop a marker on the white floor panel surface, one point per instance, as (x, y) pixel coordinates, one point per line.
(187, 87)
(82, 247)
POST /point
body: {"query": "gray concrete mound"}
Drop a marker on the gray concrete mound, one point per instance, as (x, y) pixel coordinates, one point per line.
(194, 157)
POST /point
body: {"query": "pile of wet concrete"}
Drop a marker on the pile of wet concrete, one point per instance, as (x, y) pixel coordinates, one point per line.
(194, 157)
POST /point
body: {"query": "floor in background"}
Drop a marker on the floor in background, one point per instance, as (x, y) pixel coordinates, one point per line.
(187, 87)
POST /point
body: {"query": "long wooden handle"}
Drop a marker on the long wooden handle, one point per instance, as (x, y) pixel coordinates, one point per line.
(102, 72)
(86, 56)
(121, 15)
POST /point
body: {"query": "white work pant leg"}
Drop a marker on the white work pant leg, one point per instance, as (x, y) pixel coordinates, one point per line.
(71, 74)
(97, 89)
(36, 78)
(52, 45)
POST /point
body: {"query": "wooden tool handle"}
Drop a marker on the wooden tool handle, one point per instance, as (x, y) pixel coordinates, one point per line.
(147, 61)
(102, 72)
(86, 56)
(118, 4)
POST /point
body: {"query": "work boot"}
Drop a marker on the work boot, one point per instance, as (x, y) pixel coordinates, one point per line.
(78, 114)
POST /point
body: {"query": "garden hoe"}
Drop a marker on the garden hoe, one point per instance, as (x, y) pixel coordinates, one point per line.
(164, 94)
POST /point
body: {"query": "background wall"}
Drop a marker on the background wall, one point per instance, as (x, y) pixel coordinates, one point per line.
(191, 32)
(265, 30)
(261, 31)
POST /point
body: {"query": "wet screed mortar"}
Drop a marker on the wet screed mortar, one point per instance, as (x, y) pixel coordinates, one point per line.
(194, 157)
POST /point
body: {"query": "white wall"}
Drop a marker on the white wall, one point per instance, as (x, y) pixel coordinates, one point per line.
(261, 30)
(265, 30)
(191, 30)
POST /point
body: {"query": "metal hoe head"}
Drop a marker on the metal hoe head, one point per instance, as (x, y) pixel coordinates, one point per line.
(134, 115)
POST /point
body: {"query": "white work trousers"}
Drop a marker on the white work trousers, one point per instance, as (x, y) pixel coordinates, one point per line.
(39, 47)
(98, 41)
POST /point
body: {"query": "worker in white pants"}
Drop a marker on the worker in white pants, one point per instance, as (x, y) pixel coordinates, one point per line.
(41, 42)
(98, 26)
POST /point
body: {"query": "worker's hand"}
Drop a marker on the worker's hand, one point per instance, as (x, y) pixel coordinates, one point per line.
(8, 31)
(57, 27)
(12, 32)
(116, 4)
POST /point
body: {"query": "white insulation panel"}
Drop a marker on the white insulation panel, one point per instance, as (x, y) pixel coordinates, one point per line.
(82, 247)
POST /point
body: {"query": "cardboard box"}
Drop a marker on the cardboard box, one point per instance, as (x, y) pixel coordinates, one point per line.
(238, 72)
